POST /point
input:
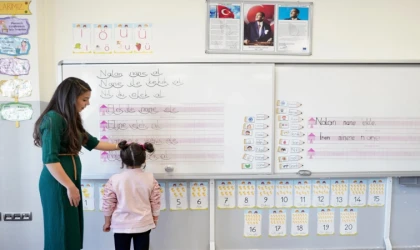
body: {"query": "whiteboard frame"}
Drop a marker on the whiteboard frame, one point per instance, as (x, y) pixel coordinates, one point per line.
(251, 52)
(273, 175)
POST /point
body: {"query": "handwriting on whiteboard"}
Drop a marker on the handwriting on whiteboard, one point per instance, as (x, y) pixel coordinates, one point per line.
(135, 84)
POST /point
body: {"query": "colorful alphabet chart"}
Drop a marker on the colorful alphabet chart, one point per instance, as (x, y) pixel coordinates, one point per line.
(325, 221)
(284, 193)
(357, 196)
(162, 186)
(88, 196)
(277, 225)
(178, 196)
(265, 194)
(339, 193)
(300, 222)
(101, 190)
(246, 194)
(376, 192)
(321, 193)
(199, 195)
(348, 221)
(252, 225)
(226, 194)
(302, 193)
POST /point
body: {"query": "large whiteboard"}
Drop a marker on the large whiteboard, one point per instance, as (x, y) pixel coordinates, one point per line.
(202, 118)
(355, 118)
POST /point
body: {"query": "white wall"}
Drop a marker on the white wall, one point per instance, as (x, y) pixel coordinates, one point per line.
(343, 30)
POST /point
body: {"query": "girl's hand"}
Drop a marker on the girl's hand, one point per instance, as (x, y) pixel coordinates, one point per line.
(74, 195)
(107, 227)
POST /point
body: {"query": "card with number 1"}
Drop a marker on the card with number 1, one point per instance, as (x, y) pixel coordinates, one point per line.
(246, 194)
(88, 196)
(226, 193)
(162, 186)
(277, 225)
(178, 196)
(252, 223)
(199, 195)
(265, 192)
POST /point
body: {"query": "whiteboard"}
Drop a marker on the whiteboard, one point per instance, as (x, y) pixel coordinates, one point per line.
(355, 118)
(202, 118)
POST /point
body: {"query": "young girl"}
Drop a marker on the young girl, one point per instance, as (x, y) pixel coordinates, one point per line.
(60, 133)
(131, 201)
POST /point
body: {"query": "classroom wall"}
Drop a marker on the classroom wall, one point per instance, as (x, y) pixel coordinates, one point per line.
(343, 30)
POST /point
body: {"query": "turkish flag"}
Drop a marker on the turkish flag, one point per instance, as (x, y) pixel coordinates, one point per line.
(224, 12)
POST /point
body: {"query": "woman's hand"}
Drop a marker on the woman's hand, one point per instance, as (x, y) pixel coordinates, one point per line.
(73, 194)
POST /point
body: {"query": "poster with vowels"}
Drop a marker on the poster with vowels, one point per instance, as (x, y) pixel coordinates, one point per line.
(82, 38)
(102, 38)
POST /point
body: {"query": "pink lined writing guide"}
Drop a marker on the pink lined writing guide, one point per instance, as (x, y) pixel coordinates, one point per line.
(183, 133)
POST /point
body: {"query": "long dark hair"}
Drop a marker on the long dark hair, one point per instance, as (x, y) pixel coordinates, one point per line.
(64, 103)
(133, 154)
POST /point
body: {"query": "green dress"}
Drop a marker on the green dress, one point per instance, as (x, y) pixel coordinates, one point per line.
(63, 224)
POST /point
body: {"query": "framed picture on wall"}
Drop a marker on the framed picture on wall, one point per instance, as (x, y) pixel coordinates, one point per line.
(242, 27)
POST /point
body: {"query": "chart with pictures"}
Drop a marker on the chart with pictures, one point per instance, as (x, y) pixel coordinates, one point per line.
(275, 28)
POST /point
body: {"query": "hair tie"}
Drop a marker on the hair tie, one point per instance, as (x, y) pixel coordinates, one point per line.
(142, 146)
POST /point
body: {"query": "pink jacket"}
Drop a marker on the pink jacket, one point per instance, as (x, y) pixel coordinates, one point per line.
(132, 197)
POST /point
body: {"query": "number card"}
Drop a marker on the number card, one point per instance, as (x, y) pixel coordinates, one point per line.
(101, 195)
(339, 193)
(284, 194)
(302, 193)
(199, 195)
(321, 193)
(246, 194)
(300, 222)
(252, 225)
(348, 221)
(162, 196)
(88, 196)
(226, 194)
(277, 225)
(265, 192)
(357, 193)
(376, 192)
(178, 196)
(325, 221)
